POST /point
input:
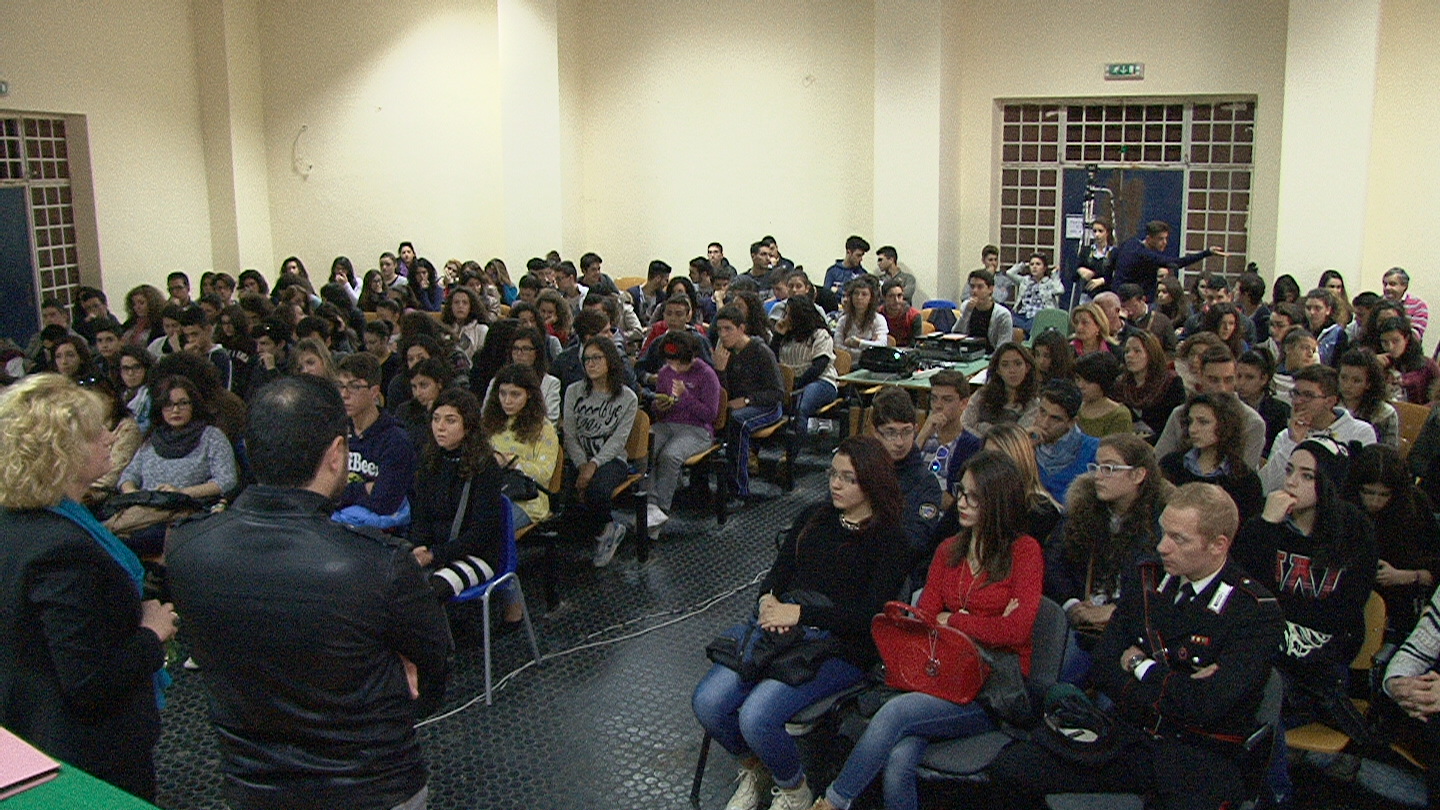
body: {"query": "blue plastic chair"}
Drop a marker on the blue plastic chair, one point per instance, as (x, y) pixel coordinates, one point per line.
(939, 303)
(505, 574)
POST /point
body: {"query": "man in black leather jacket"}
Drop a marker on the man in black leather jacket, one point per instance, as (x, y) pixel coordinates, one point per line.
(320, 643)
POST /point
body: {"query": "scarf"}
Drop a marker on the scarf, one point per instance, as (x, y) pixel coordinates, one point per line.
(1061, 454)
(1143, 396)
(121, 553)
(172, 442)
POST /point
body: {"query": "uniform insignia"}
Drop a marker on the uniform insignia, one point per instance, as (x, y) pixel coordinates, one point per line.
(1222, 595)
(928, 511)
(1203, 641)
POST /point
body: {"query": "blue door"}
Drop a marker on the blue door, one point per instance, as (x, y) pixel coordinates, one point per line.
(1137, 197)
(20, 312)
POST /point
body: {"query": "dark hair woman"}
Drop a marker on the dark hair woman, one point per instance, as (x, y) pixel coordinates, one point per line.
(1285, 290)
(985, 582)
(1148, 385)
(1254, 384)
(83, 669)
(1224, 320)
(861, 324)
(71, 357)
(1097, 265)
(527, 348)
(371, 291)
(425, 283)
(429, 379)
(1316, 552)
(1112, 518)
(464, 317)
(1406, 360)
(522, 437)
(804, 345)
(1171, 300)
(1406, 534)
(456, 463)
(253, 282)
(134, 384)
(1212, 451)
(142, 309)
(1009, 393)
(1365, 393)
(1054, 356)
(598, 413)
(848, 555)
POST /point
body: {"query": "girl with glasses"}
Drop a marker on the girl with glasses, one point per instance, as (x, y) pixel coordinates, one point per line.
(599, 412)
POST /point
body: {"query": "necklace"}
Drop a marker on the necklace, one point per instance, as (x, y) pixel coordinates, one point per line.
(850, 525)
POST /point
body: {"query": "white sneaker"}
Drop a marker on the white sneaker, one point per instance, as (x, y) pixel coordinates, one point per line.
(655, 517)
(606, 543)
(799, 798)
(753, 783)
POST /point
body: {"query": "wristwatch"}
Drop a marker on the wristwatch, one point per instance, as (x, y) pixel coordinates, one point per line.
(1134, 661)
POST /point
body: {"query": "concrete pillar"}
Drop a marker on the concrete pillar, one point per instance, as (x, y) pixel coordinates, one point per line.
(530, 127)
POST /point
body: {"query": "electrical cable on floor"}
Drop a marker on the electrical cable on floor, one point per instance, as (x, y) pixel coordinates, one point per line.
(685, 613)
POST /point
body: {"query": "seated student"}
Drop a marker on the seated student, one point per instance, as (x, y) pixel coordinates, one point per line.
(1410, 681)
(1147, 385)
(1172, 697)
(106, 357)
(1254, 372)
(1289, 316)
(200, 339)
(847, 554)
(1299, 350)
(861, 324)
(311, 357)
(1111, 522)
(379, 344)
(1317, 413)
(94, 309)
(1061, 449)
(846, 270)
(522, 438)
(687, 400)
(1054, 356)
(981, 316)
(646, 298)
(1037, 287)
(1316, 552)
(1406, 534)
(1100, 415)
(1043, 512)
(529, 316)
(567, 283)
(227, 409)
(1224, 320)
(895, 423)
(465, 318)
(382, 459)
(428, 380)
(457, 463)
(184, 453)
(678, 318)
(994, 551)
(1187, 357)
(1364, 392)
(1216, 375)
(1139, 315)
(1011, 383)
(594, 277)
(1320, 309)
(134, 388)
(1211, 451)
(750, 374)
(527, 292)
(55, 313)
(527, 348)
(902, 321)
(598, 414)
(776, 296)
(943, 440)
(615, 314)
(702, 302)
(1410, 370)
(803, 343)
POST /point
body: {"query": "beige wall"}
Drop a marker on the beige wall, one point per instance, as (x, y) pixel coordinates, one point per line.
(720, 121)
(382, 124)
(1196, 48)
(128, 66)
(1404, 182)
(344, 126)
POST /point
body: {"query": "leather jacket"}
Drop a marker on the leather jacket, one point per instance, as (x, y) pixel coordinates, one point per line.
(299, 625)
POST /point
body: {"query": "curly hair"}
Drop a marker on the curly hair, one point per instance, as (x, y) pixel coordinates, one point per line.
(530, 421)
(46, 425)
(474, 449)
(1229, 426)
(1087, 528)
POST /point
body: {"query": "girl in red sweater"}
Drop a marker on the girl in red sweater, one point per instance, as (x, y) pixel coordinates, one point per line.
(986, 582)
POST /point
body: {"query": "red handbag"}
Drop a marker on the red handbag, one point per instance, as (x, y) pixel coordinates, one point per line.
(923, 656)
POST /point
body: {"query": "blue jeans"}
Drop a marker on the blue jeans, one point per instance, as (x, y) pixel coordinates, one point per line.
(813, 397)
(896, 740)
(750, 717)
(743, 422)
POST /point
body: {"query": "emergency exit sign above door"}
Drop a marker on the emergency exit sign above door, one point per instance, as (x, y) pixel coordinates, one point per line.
(1124, 71)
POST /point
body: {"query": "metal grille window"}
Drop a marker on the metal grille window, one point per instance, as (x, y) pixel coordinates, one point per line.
(34, 153)
(1212, 142)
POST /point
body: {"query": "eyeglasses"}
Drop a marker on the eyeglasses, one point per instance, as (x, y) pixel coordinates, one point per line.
(894, 433)
(1299, 394)
(845, 477)
(965, 496)
(353, 387)
(523, 349)
(594, 358)
(131, 367)
(176, 405)
(1105, 470)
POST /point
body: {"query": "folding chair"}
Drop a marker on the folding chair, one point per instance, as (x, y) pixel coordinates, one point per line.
(1326, 740)
(506, 573)
(781, 432)
(713, 460)
(637, 452)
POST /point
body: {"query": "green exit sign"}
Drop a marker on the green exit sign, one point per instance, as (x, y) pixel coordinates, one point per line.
(1121, 71)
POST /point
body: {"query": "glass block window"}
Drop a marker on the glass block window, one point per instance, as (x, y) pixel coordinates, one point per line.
(34, 152)
(1213, 141)
(1029, 213)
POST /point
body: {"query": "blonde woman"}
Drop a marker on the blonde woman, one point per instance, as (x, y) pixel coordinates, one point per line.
(1014, 441)
(84, 666)
(1092, 330)
(311, 356)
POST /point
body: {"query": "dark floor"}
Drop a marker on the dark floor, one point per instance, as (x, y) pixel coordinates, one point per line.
(608, 726)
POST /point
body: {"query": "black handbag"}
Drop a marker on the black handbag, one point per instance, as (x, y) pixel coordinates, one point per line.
(755, 653)
(517, 486)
